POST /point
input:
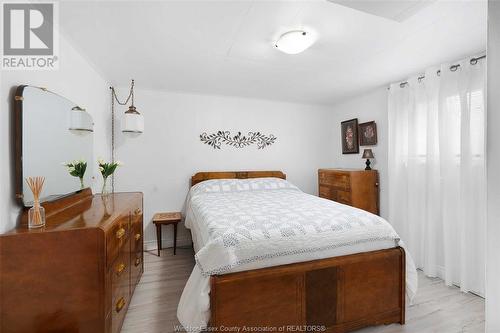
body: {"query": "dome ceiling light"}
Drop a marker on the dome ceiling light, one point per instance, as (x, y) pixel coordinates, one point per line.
(294, 42)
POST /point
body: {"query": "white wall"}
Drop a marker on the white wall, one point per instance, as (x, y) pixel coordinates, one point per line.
(161, 161)
(493, 154)
(367, 107)
(77, 81)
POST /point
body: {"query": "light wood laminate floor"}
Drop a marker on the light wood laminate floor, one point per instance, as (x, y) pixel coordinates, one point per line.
(437, 308)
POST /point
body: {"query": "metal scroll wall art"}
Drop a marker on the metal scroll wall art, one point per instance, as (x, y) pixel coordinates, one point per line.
(215, 140)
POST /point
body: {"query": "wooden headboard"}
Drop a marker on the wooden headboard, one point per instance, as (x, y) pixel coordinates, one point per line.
(201, 176)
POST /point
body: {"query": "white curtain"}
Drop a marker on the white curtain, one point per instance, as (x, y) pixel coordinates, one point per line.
(437, 171)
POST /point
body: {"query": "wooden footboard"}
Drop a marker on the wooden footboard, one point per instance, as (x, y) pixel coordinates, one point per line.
(338, 294)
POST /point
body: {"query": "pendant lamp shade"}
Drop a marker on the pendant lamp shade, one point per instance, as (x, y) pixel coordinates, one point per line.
(132, 121)
(80, 120)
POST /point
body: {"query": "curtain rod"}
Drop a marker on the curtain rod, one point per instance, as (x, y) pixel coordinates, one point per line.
(453, 68)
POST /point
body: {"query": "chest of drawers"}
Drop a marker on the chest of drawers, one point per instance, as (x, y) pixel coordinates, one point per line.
(357, 188)
(78, 273)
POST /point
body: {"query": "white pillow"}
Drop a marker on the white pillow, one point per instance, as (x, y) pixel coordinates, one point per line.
(241, 185)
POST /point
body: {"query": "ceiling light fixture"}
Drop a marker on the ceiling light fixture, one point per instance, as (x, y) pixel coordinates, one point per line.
(296, 41)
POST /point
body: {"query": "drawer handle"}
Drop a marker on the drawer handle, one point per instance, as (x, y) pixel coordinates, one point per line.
(120, 269)
(137, 261)
(120, 304)
(120, 233)
(137, 237)
(137, 211)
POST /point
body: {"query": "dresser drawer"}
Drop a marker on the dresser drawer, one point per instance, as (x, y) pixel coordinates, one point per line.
(120, 273)
(336, 179)
(136, 226)
(343, 197)
(323, 178)
(136, 216)
(120, 286)
(136, 250)
(136, 238)
(136, 267)
(325, 192)
(119, 309)
(341, 181)
(116, 238)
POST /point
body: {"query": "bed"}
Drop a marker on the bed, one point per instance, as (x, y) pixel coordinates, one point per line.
(272, 258)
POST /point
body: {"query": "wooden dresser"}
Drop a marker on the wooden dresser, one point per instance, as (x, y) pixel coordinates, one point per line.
(76, 274)
(357, 188)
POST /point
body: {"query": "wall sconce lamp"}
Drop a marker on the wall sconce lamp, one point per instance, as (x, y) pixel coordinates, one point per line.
(80, 120)
(132, 121)
(367, 153)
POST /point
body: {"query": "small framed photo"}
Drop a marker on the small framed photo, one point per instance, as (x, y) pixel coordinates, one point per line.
(349, 131)
(368, 134)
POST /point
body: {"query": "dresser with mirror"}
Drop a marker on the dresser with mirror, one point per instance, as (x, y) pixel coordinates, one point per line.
(78, 272)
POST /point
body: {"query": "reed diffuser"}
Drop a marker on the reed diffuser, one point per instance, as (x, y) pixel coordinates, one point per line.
(36, 214)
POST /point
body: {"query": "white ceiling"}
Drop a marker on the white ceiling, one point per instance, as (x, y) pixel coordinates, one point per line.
(226, 47)
(391, 9)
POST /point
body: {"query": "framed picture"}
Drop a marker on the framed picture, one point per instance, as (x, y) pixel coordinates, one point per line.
(368, 134)
(349, 131)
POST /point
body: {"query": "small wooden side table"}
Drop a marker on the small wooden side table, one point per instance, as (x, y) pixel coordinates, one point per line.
(160, 219)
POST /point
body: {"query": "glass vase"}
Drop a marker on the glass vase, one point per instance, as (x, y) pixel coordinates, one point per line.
(36, 216)
(105, 190)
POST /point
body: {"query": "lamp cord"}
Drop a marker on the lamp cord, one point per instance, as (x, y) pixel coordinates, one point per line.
(114, 97)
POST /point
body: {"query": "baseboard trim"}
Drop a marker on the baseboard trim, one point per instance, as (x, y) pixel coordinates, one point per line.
(150, 245)
(440, 274)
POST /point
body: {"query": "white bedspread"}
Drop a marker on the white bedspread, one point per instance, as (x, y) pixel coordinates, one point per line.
(246, 224)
